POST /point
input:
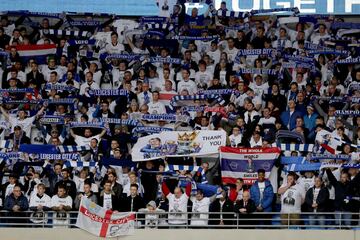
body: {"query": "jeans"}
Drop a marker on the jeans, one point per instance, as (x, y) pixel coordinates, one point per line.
(317, 220)
(343, 218)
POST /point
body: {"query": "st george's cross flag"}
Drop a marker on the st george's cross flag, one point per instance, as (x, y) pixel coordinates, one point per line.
(245, 162)
(102, 222)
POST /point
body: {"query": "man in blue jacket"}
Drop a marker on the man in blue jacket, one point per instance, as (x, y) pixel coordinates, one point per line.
(288, 118)
(16, 203)
(262, 194)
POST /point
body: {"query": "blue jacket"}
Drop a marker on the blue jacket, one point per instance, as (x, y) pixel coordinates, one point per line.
(310, 122)
(287, 120)
(10, 202)
(268, 195)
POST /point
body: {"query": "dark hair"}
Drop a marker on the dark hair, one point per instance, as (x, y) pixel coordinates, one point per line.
(134, 185)
(261, 171)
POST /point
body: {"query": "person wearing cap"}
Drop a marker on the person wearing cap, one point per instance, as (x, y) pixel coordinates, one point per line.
(22, 120)
(18, 137)
(152, 216)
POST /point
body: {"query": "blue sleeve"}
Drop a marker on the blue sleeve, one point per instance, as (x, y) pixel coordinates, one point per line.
(96, 111)
(254, 195)
(268, 197)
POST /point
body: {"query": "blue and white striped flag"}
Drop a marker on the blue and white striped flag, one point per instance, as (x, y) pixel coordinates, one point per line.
(162, 26)
(181, 168)
(70, 33)
(70, 148)
(296, 147)
(77, 164)
(6, 144)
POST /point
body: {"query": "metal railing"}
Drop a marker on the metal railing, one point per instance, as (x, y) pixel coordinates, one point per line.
(163, 220)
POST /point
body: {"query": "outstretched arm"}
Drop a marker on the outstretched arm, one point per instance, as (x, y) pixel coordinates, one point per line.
(5, 113)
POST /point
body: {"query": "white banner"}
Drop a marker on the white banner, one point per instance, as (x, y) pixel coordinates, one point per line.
(178, 144)
(104, 223)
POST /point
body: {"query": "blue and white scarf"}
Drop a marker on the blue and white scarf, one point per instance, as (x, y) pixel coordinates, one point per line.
(345, 25)
(69, 101)
(142, 129)
(233, 14)
(73, 42)
(165, 60)
(52, 119)
(70, 33)
(353, 113)
(328, 156)
(108, 92)
(348, 61)
(84, 23)
(334, 52)
(296, 147)
(302, 167)
(56, 156)
(6, 144)
(257, 71)
(71, 149)
(163, 26)
(273, 10)
(165, 117)
(128, 122)
(175, 99)
(219, 92)
(194, 38)
(79, 164)
(18, 90)
(87, 125)
(128, 57)
(60, 87)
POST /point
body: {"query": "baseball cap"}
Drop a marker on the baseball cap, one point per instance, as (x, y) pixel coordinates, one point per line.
(152, 204)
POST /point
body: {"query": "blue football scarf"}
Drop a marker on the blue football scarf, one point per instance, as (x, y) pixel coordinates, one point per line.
(165, 60)
(296, 147)
(117, 162)
(37, 149)
(128, 57)
(345, 25)
(297, 65)
(348, 61)
(300, 59)
(233, 14)
(56, 156)
(26, 101)
(6, 144)
(73, 42)
(153, 19)
(302, 167)
(155, 33)
(142, 129)
(165, 117)
(254, 52)
(108, 92)
(257, 71)
(18, 90)
(353, 113)
(84, 23)
(69, 101)
(33, 14)
(175, 99)
(69, 33)
(328, 157)
(60, 87)
(128, 122)
(52, 119)
(219, 92)
(292, 160)
(333, 52)
(87, 125)
(71, 149)
(194, 38)
(162, 26)
(173, 168)
(79, 164)
(295, 10)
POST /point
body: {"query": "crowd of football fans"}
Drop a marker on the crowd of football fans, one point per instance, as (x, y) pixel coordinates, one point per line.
(303, 97)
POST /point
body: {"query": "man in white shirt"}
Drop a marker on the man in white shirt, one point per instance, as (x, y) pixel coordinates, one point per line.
(214, 53)
(114, 46)
(145, 97)
(200, 206)
(186, 83)
(177, 204)
(88, 136)
(96, 73)
(231, 50)
(90, 84)
(39, 203)
(292, 197)
(203, 77)
(22, 120)
(46, 70)
(156, 107)
(61, 203)
(236, 137)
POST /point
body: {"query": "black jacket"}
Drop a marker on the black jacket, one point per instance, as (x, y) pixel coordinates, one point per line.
(136, 202)
(228, 212)
(116, 202)
(344, 190)
(321, 200)
(69, 186)
(250, 207)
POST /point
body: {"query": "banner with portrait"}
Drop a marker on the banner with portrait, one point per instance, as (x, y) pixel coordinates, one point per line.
(178, 144)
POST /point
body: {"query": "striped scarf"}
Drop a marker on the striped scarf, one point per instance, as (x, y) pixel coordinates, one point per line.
(69, 33)
(70, 149)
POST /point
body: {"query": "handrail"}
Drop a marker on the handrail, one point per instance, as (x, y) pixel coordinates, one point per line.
(268, 220)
